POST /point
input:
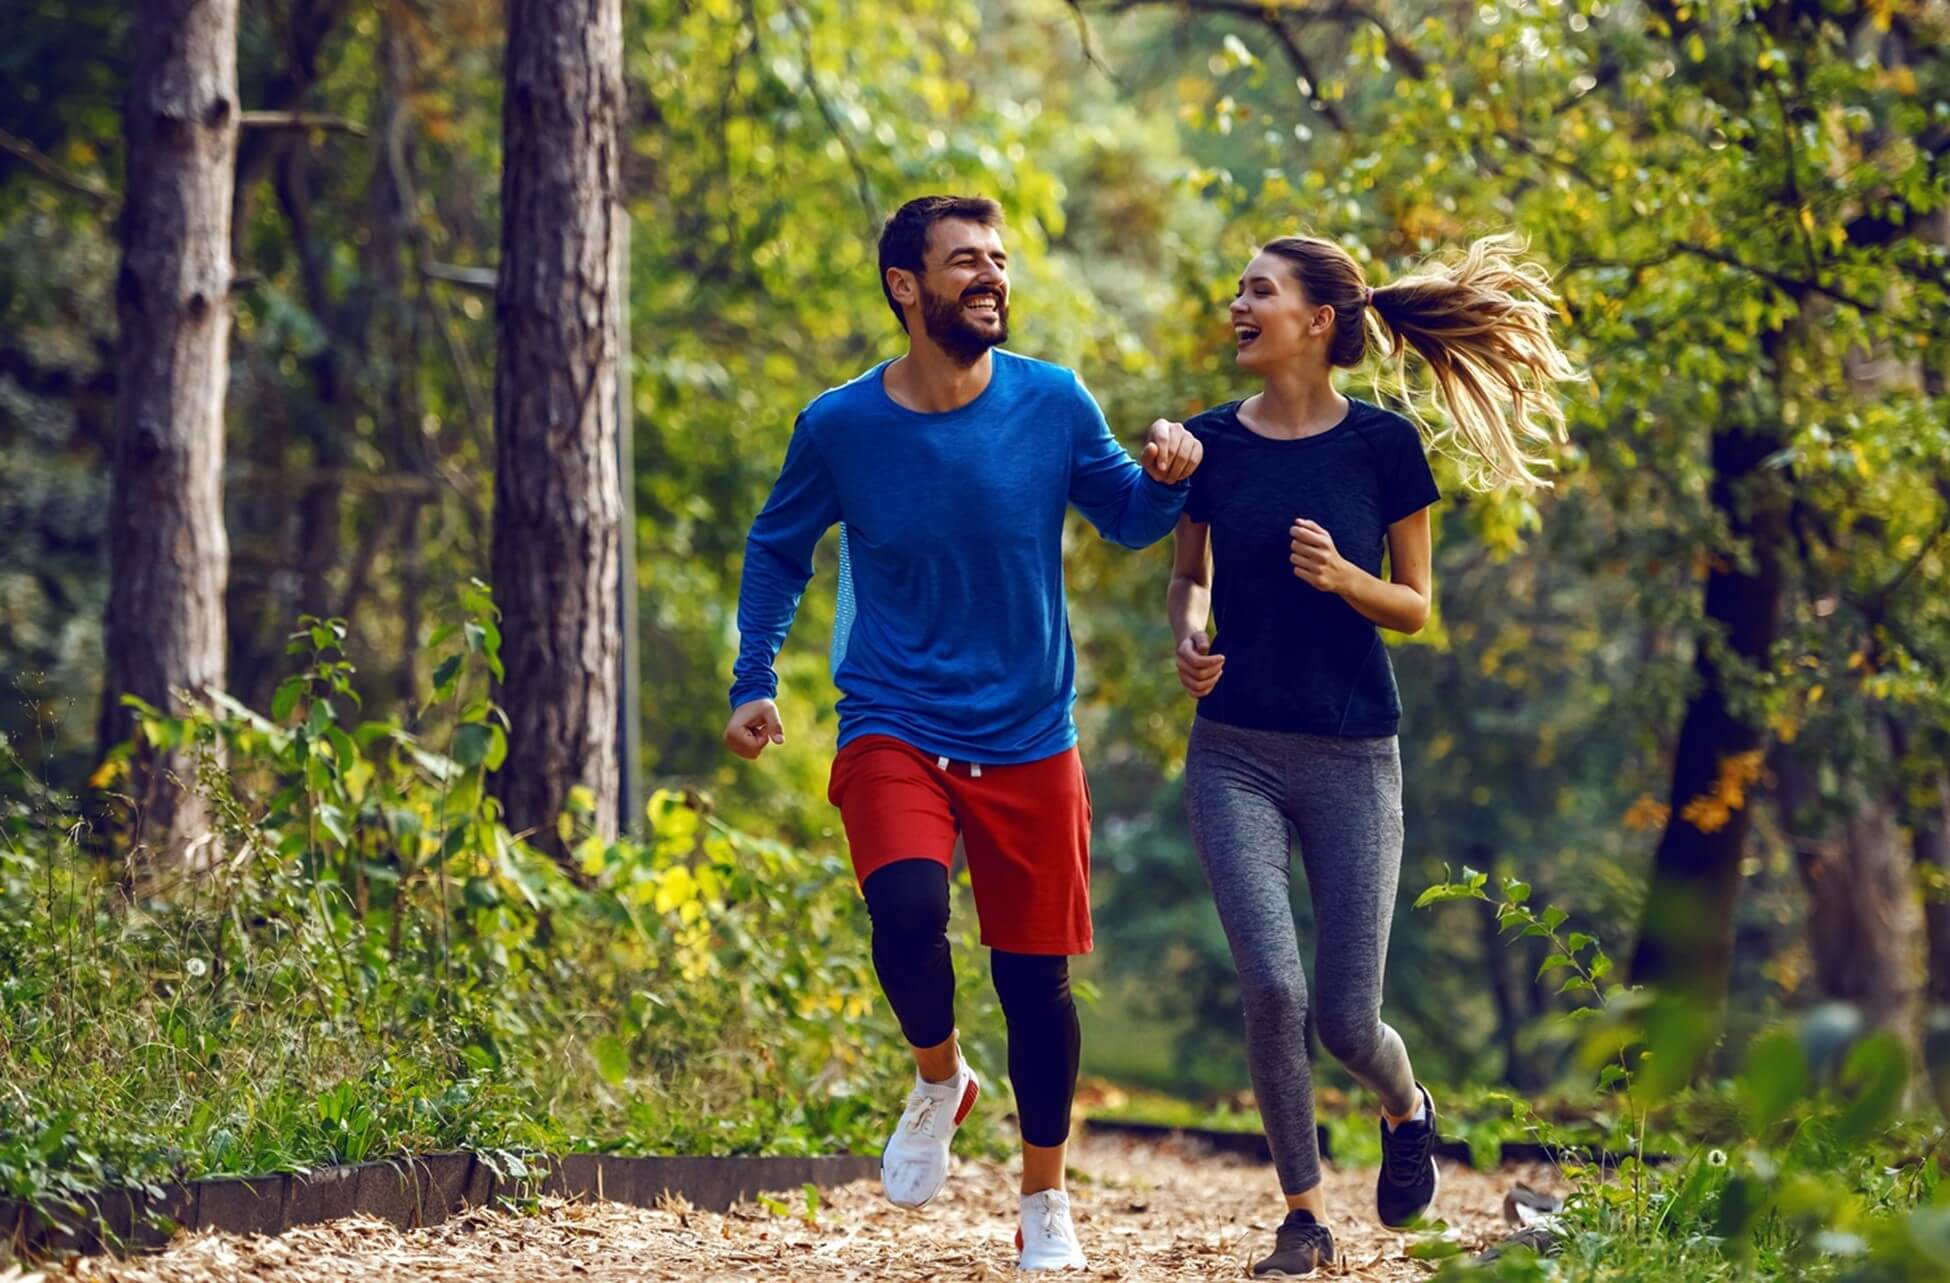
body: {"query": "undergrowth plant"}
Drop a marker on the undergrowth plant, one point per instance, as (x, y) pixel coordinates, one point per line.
(364, 961)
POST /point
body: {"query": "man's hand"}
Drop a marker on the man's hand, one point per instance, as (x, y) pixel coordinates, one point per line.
(1198, 668)
(1315, 559)
(1170, 452)
(754, 724)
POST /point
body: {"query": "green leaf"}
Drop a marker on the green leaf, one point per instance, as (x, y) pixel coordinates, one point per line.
(288, 693)
(1516, 891)
(1740, 1207)
(612, 1058)
(1874, 1077)
(1555, 961)
(1775, 1078)
(322, 716)
(443, 676)
(1578, 940)
(1434, 1249)
(332, 819)
(472, 742)
(1554, 917)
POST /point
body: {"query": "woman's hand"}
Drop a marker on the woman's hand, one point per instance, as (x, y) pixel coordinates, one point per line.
(1198, 668)
(1315, 559)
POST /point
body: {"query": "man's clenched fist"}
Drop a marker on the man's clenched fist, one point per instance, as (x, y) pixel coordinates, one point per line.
(754, 724)
(1170, 452)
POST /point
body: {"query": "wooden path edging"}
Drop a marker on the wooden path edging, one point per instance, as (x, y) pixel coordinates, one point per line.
(406, 1192)
(1253, 1146)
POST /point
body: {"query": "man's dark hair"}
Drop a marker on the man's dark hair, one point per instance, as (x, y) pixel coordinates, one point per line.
(904, 239)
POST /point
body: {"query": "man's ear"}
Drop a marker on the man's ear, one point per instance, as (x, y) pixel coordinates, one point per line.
(904, 286)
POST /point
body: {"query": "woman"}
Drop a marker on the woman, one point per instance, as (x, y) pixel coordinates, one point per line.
(1297, 707)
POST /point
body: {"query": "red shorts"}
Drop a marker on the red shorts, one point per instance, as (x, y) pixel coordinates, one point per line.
(1026, 829)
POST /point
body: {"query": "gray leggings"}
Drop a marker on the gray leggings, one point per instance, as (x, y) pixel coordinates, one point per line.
(1343, 797)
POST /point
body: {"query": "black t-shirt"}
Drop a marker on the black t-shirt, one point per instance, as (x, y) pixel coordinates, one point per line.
(1297, 658)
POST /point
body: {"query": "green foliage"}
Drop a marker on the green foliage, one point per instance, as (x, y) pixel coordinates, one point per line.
(1801, 1166)
(368, 962)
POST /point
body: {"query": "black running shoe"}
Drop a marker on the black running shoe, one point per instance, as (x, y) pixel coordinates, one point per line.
(1302, 1245)
(1407, 1182)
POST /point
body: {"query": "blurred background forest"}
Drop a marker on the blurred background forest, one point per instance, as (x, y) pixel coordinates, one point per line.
(1746, 541)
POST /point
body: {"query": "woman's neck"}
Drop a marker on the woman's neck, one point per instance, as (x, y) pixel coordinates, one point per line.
(1296, 403)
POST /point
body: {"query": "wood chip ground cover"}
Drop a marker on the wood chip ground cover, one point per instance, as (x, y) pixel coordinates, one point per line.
(1148, 1210)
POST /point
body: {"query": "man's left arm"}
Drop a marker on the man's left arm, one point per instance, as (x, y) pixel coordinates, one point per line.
(1130, 502)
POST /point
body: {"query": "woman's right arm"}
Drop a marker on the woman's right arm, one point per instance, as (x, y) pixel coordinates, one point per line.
(1188, 607)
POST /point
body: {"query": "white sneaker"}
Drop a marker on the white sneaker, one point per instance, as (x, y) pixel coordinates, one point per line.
(1047, 1238)
(914, 1165)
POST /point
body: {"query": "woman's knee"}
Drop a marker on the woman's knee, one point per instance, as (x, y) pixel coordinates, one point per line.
(1350, 1036)
(1274, 996)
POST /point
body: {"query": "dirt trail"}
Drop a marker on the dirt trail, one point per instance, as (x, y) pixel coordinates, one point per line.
(1148, 1210)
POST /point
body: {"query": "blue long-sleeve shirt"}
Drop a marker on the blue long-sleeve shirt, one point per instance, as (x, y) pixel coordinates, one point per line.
(959, 641)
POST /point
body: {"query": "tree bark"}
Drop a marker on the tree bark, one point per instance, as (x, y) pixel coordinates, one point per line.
(1686, 929)
(557, 494)
(168, 555)
(1861, 915)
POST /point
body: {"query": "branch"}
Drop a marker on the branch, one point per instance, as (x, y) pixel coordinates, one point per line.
(1089, 46)
(301, 120)
(860, 176)
(1780, 280)
(1274, 15)
(102, 198)
(472, 278)
(1877, 603)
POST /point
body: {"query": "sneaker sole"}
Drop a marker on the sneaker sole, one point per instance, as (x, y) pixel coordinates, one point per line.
(1078, 1264)
(962, 1111)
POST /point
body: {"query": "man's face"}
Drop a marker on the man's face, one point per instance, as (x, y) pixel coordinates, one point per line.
(965, 289)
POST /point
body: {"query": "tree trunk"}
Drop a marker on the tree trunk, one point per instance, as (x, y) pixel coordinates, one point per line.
(557, 495)
(1930, 844)
(1686, 931)
(1861, 919)
(164, 629)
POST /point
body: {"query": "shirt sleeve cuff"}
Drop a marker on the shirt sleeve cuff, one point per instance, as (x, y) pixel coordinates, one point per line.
(745, 694)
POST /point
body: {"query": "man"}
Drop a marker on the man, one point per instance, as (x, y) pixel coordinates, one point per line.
(951, 468)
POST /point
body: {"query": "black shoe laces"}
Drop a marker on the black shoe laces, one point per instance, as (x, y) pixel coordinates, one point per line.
(1300, 1230)
(1406, 1155)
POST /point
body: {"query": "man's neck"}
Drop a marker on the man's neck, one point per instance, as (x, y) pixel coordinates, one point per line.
(929, 381)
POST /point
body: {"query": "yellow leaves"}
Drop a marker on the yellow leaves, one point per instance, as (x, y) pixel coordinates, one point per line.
(1696, 48)
(677, 891)
(1709, 812)
(1807, 217)
(1902, 80)
(1647, 813)
(107, 773)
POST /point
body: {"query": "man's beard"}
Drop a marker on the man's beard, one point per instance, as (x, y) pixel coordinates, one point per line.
(951, 330)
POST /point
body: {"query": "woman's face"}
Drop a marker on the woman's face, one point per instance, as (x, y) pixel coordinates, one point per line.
(1272, 321)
